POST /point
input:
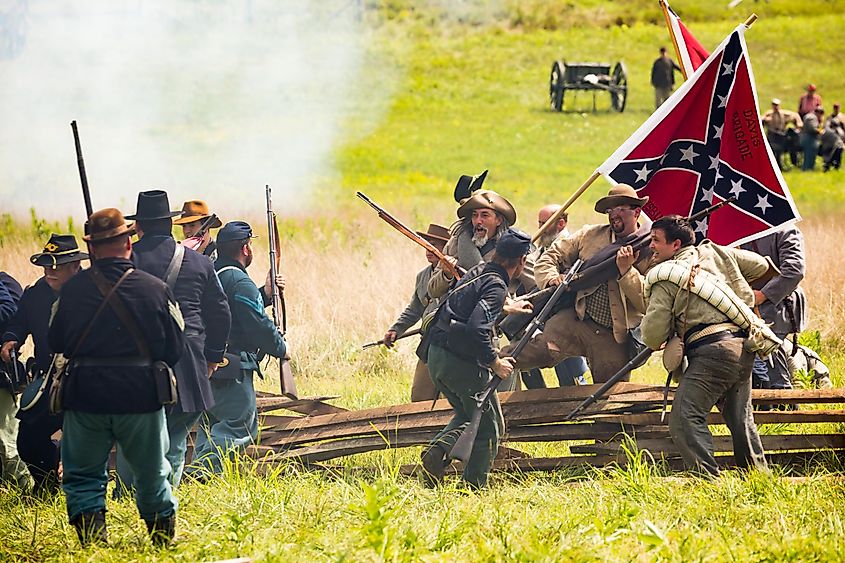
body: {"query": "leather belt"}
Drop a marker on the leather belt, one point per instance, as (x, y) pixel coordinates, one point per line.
(115, 362)
(713, 338)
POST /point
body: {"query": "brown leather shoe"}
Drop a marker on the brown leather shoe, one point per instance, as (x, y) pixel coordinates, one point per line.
(434, 466)
(162, 530)
(91, 528)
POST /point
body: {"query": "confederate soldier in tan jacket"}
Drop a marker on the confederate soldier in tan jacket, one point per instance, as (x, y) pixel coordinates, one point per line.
(422, 389)
(597, 327)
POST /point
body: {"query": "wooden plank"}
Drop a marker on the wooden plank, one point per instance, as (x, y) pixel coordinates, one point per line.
(773, 442)
(307, 406)
(760, 417)
(339, 448)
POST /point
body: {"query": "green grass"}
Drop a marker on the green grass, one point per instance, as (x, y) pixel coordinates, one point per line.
(452, 91)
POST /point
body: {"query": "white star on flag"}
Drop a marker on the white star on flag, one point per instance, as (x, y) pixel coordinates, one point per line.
(723, 100)
(642, 173)
(707, 195)
(736, 189)
(701, 227)
(763, 203)
(718, 131)
(714, 162)
(727, 68)
(689, 154)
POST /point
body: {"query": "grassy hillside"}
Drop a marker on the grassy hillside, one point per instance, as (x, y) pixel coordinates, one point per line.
(454, 88)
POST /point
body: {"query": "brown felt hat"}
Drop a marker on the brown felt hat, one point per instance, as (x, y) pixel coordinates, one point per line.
(106, 224)
(196, 210)
(436, 234)
(488, 199)
(620, 194)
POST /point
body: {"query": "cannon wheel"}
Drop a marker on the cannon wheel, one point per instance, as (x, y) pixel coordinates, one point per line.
(556, 87)
(619, 85)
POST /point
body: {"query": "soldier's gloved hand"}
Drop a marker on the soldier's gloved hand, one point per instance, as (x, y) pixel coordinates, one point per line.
(556, 281)
(389, 338)
(502, 367)
(6, 350)
(517, 306)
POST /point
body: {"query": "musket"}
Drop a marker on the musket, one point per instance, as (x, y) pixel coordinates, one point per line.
(13, 356)
(288, 385)
(396, 224)
(601, 267)
(462, 449)
(83, 177)
(639, 359)
(195, 241)
(413, 332)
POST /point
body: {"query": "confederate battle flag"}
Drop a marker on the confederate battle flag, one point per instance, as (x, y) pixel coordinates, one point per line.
(705, 145)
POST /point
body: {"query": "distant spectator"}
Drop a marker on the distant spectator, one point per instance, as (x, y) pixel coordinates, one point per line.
(775, 121)
(810, 132)
(831, 144)
(663, 77)
(835, 120)
(808, 103)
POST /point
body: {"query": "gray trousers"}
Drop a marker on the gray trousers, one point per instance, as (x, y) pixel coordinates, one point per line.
(717, 372)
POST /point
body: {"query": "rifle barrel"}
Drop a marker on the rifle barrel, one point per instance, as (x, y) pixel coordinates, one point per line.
(83, 176)
(641, 357)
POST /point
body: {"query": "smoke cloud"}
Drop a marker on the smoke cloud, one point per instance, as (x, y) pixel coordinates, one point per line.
(207, 99)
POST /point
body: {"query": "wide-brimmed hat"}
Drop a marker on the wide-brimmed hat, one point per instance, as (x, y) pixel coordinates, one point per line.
(152, 205)
(436, 234)
(196, 210)
(488, 199)
(106, 224)
(811, 87)
(620, 194)
(467, 185)
(60, 249)
(776, 101)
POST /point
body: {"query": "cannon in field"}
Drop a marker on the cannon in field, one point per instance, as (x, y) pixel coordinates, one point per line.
(593, 77)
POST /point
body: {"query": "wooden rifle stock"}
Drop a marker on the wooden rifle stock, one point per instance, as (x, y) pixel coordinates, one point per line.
(396, 224)
(288, 385)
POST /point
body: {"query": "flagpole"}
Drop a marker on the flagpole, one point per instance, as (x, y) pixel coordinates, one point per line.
(665, 8)
(750, 21)
(556, 215)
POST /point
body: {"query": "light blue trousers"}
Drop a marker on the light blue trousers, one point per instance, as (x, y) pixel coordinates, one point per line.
(228, 427)
(87, 439)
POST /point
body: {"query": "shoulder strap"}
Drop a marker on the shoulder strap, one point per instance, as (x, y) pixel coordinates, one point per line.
(95, 273)
(175, 266)
(120, 310)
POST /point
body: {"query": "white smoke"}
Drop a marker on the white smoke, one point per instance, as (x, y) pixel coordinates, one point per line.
(207, 99)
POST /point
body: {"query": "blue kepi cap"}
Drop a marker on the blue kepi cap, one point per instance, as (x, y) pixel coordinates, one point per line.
(234, 230)
(513, 244)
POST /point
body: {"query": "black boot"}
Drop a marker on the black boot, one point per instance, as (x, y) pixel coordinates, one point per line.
(162, 530)
(91, 528)
(434, 466)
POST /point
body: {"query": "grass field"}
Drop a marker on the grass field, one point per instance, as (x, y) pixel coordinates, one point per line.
(459, 90)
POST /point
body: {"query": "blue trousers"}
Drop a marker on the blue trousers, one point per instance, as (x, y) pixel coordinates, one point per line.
(87, 439)
(228, 427)
(458, 380)
(570, 371)
(178, 427)
(810, 145)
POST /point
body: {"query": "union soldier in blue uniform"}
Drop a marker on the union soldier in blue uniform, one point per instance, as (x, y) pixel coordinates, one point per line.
(194, 213)
(204, 307)
(12, 468)
(61, 260)
(118, 327)
(232, 423)
(461, 354)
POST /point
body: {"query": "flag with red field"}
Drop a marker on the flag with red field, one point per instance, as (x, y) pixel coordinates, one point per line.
(692, 55)
(705, 145)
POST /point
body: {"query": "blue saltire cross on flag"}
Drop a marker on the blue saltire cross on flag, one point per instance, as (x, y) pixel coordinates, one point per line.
(705, 145)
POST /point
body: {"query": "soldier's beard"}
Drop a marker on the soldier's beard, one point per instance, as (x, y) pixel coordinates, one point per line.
(546, 239)
(479, 237)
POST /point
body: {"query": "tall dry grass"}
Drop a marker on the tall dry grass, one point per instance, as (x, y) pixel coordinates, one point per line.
(348, 281)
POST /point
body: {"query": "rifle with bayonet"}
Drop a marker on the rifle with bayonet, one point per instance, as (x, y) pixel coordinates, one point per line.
(396, 224)
(462, 449)
(381, 342)
(600, 268)
(277, 300)
(195, 242)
